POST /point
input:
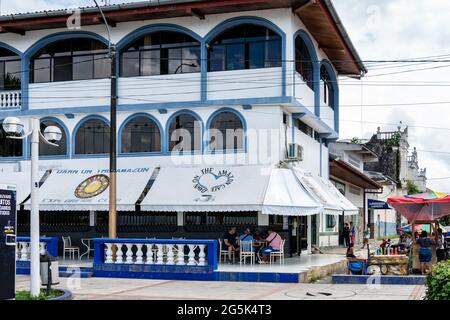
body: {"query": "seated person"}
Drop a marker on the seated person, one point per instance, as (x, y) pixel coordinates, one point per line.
(272, 244)
(231, 242)
(350, 251)
(257, 235)
(246, 241)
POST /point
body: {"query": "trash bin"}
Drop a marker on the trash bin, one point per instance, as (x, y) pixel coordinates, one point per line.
(49, 270)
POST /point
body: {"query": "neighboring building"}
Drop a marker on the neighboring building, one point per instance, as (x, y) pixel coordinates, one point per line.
(347, 161)
(209, 69)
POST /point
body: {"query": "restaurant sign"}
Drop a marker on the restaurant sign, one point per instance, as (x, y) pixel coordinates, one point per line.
(210, 180)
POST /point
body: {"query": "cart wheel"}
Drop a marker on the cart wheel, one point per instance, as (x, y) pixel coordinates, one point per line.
(384, 269)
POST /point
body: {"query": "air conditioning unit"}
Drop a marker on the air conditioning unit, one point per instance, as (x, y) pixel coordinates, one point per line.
(295, 152)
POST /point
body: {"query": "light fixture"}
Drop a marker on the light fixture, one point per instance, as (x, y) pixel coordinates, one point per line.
(52, 134)
(12, 126)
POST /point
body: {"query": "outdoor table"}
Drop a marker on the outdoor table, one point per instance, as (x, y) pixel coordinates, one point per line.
(87, 243)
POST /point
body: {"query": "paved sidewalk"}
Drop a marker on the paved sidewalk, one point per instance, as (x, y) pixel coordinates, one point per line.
(140, 289)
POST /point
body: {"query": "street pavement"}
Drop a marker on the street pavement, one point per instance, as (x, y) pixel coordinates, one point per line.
(142, 289)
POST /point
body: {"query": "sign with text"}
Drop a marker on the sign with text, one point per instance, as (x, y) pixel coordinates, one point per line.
(7, 243)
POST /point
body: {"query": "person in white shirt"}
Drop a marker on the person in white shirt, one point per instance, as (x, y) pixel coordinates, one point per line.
(440, 245)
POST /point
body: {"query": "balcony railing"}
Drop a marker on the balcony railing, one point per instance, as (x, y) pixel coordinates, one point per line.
(10, 99)
(46, 245)
(155, 258)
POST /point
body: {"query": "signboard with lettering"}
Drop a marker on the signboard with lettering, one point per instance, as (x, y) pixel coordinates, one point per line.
(7, 242)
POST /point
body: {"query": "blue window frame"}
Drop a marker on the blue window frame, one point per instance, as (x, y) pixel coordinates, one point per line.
(185, 133)
(92, 137)
(326, 87)
(140, 134)
(10, 148)
(49, 150)
(226, 132)
(303, 62)
(10, 70)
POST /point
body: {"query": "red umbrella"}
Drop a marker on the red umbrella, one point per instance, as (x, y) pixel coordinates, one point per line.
(422, 207)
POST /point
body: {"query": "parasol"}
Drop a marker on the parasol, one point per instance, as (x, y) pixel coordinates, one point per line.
(429, 206)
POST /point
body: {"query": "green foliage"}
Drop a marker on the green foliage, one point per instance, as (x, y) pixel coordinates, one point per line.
(25, 295)
(355, 140)
(394, 140)
(445, 221)
(411, 187)
(438, 282)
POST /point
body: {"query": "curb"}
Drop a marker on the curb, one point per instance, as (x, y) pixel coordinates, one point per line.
(67, 295)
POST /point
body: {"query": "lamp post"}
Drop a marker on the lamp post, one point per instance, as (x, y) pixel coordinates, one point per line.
(112, 221)
(52, 134)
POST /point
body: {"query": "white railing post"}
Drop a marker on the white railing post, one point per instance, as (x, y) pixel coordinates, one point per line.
(129, 253)
(42, 248)
(191, 254)
(202, 255)
(24, 251)
(119, 253)
(149, 254)
(159, 254)
(139, 254)
(10, 99)
(170, 259)
(109, 253)
(180, 255)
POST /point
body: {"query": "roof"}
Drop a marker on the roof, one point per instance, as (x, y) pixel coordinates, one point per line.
(346, 172)
(359, 148)
(319, 16)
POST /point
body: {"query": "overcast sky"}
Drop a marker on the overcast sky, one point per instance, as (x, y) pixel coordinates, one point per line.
(380, 30)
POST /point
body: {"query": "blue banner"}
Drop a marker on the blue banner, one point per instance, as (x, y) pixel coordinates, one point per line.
(377, 204)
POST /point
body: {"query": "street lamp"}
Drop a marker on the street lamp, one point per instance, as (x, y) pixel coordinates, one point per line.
(51, 136)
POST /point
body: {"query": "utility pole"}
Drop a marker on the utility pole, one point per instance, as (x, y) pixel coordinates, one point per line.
(112, 225)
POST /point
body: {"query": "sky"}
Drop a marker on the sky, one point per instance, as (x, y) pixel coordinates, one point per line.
(380, 30)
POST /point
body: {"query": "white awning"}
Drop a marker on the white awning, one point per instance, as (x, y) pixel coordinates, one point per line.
(88, 189)
(334, 202)
(22, 181)
(229, 189)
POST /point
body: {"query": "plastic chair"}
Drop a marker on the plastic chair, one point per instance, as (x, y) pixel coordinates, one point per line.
(279, 254)
(67, 247)
(246, 250)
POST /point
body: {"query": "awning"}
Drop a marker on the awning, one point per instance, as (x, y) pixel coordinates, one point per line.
(88, 189)
(229, 189)
(22, 181)
(334, 202)
(377, 204)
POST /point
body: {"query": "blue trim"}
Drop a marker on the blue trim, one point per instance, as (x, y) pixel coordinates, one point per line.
(66, 132)
(316, 66)
(207, 133)
(125, 122)
(74, 136)
(331, 73)
(41, 43)
(167, 134)
(230, 23)
(146, 106)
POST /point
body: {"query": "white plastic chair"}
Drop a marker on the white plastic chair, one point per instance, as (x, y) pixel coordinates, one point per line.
(223, 253)
(278, 254)
(67, 247)
(246, 250)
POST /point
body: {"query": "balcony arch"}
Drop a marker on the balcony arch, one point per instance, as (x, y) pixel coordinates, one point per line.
(237, 122)
(64, 144)
(11, 83)
(149, 141)
(332, 89)
(253, 21)
(196, 128)
(83, 142)
(187, 58)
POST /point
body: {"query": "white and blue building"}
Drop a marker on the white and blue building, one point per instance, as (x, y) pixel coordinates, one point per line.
(266, 71)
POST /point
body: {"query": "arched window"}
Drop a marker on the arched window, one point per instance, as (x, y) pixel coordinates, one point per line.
(245, 46)
(140, 134)
(72, 59)
(9, 70)
(92, 137)
(326, 87)
(9, 147)
(49, 150)
(303, 62)
(226, 132)
(163, 52)
(185, 133)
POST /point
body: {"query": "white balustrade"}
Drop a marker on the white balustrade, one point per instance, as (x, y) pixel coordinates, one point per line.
(10, 99)
(129, 253)
(119, 253)
(170, 255)
(42, 248)
(202, 255)
(191, 255)
(24, 251)
(109, 253)
(154, 253)
(139, 259)
(159, 254)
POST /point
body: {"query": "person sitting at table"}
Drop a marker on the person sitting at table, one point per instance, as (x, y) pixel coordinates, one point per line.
(231, 243)
(272, 244)
(247, 239)
(257, 235)
(425, 252)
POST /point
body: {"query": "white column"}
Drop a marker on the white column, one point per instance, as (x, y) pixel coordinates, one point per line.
(139, 259)
(35, 278)
(129, 253)
(109, 253)
(180, 219)
(263, 219)
(309, 234)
